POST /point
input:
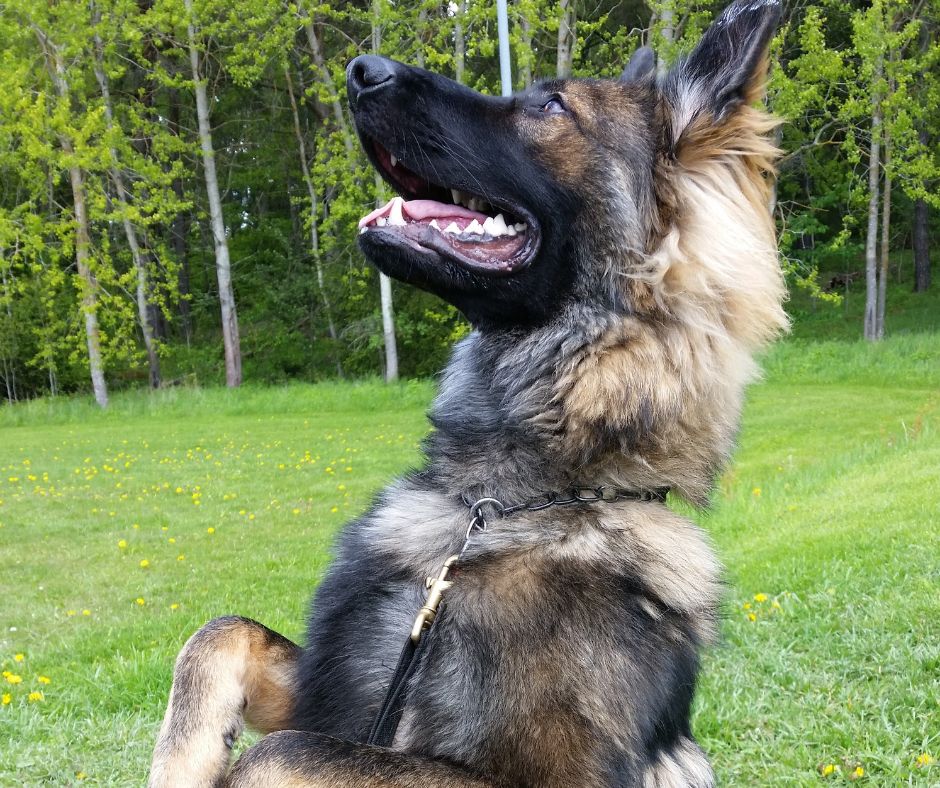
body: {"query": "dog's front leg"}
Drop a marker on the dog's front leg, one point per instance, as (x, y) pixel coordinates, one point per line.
(298, 759)
(232, 671)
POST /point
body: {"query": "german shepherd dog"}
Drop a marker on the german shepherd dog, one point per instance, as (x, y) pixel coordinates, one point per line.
(611, 244)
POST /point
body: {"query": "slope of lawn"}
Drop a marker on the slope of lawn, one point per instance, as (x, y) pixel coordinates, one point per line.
(122, 532)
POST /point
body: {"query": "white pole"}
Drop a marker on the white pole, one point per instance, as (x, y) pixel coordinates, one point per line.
(502, 26)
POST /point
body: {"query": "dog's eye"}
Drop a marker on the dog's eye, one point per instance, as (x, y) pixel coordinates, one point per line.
(553, 107)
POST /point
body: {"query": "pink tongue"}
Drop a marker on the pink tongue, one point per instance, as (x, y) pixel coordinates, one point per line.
(419, 210)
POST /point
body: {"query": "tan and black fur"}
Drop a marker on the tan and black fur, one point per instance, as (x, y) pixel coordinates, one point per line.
(567, 650)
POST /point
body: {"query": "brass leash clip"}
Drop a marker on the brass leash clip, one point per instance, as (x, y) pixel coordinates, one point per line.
(437, 586)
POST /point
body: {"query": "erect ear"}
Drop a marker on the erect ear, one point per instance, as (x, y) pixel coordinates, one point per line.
(727, 68)
(640, 66)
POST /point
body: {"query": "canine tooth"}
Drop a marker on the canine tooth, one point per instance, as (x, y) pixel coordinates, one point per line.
(474, 227)
(452, 228)
(455, 194)
(362, 230)
(394, 159)
(381, 221)
(395, 217)
(499, 224)
(489, 226)
(433, 223)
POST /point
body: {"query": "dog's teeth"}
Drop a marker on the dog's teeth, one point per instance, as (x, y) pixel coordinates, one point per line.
(362, 230)
(395, 217)
(489, 226)
(520, 227)
(474, 227)
(499, 225)
(433, 223)
(511, 231)
(381, 221)
(455, 194)
(394, 159)
(452, 228)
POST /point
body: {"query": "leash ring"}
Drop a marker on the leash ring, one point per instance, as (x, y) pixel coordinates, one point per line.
(475, 507)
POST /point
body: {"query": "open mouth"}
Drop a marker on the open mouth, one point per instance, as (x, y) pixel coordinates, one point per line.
(487, 237)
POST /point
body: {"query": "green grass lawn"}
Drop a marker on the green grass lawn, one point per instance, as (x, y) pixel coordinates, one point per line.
(122, 532)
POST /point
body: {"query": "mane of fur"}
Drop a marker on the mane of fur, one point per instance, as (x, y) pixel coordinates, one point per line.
(669, 380)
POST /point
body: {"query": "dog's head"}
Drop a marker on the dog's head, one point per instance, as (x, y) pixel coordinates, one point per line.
(608, 191)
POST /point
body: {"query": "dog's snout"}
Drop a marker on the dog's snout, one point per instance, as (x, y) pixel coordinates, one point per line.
(368, 71)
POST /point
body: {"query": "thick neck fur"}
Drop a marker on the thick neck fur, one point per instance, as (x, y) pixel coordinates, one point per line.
(594, 398)
(643, 390)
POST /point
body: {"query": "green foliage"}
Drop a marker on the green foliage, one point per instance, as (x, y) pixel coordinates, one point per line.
(281, 236)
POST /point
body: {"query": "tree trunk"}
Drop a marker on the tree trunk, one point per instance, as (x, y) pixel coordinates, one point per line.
(668, 34)
(314, 235)
(324, 73)
(130, 232)
(223, 266)
(567, 37)
(525, 58)
(871, 238)
(179, 232)
(419, 35)
(9, 366)
(921, 238)
(460, 44)
(385, 284)
(885, 242)
(82, 233)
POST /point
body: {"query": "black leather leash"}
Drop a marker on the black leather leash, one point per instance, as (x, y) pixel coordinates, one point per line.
(393, 706)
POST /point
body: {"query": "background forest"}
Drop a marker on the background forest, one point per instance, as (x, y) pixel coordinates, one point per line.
(180, 180)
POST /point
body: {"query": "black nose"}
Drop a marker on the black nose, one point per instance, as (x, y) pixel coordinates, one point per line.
(368, 71)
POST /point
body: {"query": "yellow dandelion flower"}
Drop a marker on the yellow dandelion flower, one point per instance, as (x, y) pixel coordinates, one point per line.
(751, 617)
(760, 597)
(335, 509)
(7, 698)
(924, 759)
(140, 601)
(18, 657)
(80, 775)
(136, 526)
(86, 612)
(34, 696)
(210, 530)
(171, 540)
(70, 612)
(747, 605)
(43, 679)
(828, 769)
(858, 772)
(144, 563)
(179, 490)
(122, 543)
(12, 678)
(164, 528)
(756, 492)
(175, 606)
(295, 511)
(181, 557)
(251, 517)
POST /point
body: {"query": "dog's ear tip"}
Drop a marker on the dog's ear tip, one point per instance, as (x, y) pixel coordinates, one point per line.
(640, 66)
